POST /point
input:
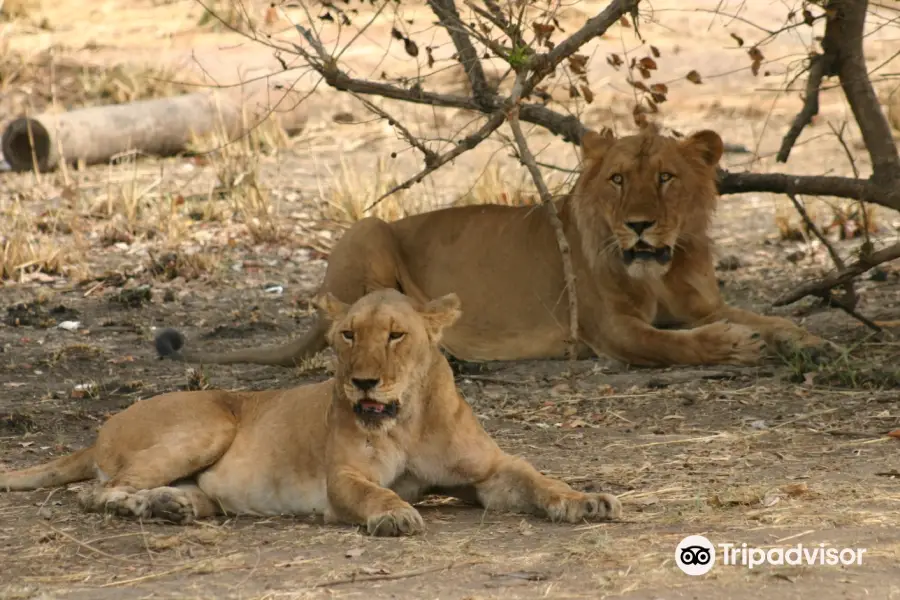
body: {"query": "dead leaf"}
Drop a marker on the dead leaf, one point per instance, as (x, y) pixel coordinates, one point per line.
(694, 77)
(587, 93)
(578, 62)
(411, 48)
(794, 490)
(654, 51)
(542, 32)
(648, 63)
(374, 571)
(738, 39)
(121, 359)
(271, 15)
(639, 85)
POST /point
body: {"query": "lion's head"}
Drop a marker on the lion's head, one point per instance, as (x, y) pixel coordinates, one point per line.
(385, 343)
(643, 197)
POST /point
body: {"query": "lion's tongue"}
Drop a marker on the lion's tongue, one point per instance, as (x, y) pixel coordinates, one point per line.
(370, 406)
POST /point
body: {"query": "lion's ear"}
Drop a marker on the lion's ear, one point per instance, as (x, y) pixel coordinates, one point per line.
(594, 145)
(441, 313)
(707, 145)
(334, 308)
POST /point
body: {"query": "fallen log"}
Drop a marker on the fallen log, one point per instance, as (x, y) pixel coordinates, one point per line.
(160, 127)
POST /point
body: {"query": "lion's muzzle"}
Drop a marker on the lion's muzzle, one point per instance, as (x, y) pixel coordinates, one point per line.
(644, 251)
(373, 413)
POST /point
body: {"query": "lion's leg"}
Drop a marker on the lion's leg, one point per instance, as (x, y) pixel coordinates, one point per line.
(634, 341)
(516, 486)
(778, 332)
(355, 497)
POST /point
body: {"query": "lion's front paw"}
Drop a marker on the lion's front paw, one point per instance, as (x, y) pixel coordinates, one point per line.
(729, 343)
(171, 504)
(576, 506)
(404, 520)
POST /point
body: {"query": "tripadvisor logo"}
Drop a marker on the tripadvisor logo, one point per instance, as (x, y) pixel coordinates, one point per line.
(696, 555)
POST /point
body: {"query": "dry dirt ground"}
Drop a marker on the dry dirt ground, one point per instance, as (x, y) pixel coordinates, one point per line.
(771, 456)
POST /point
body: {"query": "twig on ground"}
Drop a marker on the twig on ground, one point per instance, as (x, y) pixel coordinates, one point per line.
(850, 298)
(392, 576)
(816, 288)
(833, 302)
(88, 547)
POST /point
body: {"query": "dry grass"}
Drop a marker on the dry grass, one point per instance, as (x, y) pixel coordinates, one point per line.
(28, 248)
(52, 81)
(350, 193)
(236, 164)
(228, 15)
(10, 10)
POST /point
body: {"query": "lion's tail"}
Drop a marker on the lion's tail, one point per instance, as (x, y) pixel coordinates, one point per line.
(77, 466)
(170, 344)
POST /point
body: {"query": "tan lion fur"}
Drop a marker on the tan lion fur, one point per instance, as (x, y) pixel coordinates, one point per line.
(504, 264)
(188, 455)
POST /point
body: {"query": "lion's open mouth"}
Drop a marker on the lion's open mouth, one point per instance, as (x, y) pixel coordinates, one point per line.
(644, 251)
(372, 410)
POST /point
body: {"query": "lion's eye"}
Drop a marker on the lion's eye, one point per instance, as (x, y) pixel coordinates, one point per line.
(396, 335)
(347, 335)
(664, 177)
(617, 178)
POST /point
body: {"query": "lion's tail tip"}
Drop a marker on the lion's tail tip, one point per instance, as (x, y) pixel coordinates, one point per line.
(169, 343)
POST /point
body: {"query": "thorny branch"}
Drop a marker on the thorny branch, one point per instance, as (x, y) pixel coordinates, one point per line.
(465, 144)
(565, 249)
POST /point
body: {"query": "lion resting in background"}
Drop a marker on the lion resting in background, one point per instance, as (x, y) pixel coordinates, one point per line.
(360, 448)
(638, 222)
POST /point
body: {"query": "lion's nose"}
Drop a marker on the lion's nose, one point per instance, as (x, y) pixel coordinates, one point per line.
(640, 227)
(364, 385)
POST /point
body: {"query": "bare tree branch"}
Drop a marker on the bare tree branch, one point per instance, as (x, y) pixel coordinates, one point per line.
(564, 248)
(816, 288)
(820, 65)
(430, 155)
(465, 144)
(848, 302)
(449, 19)
(543, 65)
(844, 34)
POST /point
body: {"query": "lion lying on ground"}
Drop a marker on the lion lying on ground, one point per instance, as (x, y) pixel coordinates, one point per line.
(360, 448)
(637, 220)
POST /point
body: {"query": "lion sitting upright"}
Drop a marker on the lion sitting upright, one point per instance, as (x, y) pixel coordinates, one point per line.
(389, 428)
(638, 223)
